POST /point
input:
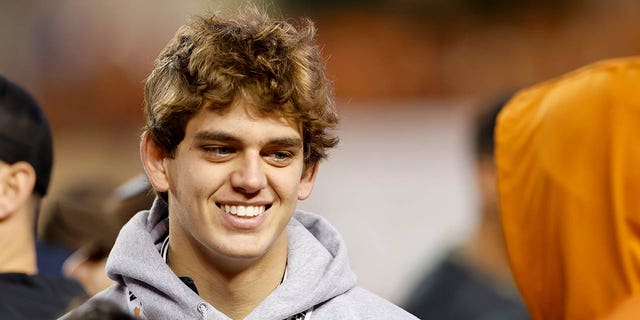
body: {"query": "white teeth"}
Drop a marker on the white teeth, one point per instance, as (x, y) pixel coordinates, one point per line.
(244, 211)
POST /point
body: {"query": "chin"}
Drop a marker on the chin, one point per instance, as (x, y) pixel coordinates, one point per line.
(244, 252)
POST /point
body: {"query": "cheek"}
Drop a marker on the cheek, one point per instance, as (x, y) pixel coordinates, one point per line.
(287, 185)
(196, 180)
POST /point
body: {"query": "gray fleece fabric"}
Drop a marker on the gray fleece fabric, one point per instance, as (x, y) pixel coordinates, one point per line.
(318, 277)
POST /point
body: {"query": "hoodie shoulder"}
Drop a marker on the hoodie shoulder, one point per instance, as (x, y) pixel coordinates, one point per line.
(319, 263)
(359, 303)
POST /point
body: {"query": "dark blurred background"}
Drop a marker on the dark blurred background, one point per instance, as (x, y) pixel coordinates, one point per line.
(408, 74)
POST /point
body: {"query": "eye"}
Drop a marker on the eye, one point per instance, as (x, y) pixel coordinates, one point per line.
(282, 155)
(218, 151)
(280, 158)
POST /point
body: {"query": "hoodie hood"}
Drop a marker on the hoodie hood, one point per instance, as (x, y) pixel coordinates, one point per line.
(317, 270)
(568, 160)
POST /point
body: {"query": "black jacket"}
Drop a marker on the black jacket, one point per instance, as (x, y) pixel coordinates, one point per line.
(36, 297)
(454, 290)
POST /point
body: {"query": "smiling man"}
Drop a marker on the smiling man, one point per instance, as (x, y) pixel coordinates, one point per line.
(239, 115)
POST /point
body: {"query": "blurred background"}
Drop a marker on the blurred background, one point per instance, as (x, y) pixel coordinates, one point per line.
(409, 75)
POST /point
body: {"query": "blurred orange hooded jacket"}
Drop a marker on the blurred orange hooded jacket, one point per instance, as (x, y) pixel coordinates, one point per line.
(568, 161)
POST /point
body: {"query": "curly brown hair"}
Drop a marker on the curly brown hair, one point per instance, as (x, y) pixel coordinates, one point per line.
(273, 64)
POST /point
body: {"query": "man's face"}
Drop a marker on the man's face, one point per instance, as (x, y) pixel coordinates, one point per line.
(234, 182)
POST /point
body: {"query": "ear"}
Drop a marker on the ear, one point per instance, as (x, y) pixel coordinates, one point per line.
(307, 181)
(153, 161)
(16, 185)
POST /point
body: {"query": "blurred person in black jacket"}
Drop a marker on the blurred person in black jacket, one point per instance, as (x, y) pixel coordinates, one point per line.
(91, 229)
(101, 310)
(473, 281)
(25, 168)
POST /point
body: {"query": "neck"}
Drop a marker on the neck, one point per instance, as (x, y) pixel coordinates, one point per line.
(17, 241)
(486, 249)
(241, 285)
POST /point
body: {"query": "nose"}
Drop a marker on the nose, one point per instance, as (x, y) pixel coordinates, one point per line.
(249, 176)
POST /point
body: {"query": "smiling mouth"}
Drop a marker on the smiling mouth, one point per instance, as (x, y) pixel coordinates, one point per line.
(244, 211)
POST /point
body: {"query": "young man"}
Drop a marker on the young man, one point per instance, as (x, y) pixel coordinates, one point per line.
(239, 113)
(25, 167)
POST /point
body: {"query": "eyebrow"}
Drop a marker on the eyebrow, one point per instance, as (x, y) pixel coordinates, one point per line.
(286, 142)
(214, 135)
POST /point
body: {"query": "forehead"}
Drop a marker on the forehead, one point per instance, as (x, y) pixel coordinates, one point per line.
(241, 117)
(259, 106)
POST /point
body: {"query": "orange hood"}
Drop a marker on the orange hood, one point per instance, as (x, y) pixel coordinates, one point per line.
(568, 160)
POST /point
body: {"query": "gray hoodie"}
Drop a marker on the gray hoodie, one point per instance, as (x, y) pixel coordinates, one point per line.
(318, 285)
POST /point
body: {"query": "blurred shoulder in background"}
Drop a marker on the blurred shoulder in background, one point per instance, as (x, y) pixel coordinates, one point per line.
(568, 166)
